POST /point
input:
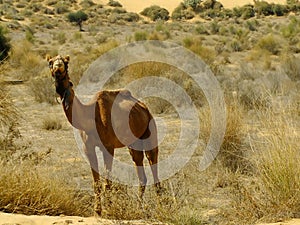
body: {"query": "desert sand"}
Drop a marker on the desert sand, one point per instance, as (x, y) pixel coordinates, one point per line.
(170, 5)
(13, 219)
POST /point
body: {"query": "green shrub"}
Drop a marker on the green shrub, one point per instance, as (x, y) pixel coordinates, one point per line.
(201, 29)
(270, 43)
(212, 4)
(182, 12)
(140, 36)
(156, 13)
(214, 27)
(263, 8)
(114, 3)
(192, 3)
(247, 12)
(279, 10)
(29, 35)
(78, 17)
(4, 44)
(292, 29)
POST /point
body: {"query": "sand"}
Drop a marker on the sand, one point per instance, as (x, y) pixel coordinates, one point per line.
(170, 5)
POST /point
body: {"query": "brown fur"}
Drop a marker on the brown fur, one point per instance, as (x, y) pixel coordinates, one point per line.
(96, 123)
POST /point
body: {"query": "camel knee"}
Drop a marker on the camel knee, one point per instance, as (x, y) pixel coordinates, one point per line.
(137, 157)
(152, 156)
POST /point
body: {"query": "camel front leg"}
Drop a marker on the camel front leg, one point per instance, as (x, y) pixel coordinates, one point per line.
(108, 155)
(93, 161)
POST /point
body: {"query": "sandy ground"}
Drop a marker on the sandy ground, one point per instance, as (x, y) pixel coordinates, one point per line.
(170, 5)
(15, 219)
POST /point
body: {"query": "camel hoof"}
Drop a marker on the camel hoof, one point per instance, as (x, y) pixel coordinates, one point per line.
(159, 189)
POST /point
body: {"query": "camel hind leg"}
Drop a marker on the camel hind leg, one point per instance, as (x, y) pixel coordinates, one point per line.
(138, 158)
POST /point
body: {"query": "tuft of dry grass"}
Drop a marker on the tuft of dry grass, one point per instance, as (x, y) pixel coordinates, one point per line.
(26, 189)
(8, 119)
(28, 63)
(273, 192)
(232, 154)
(43, 88)
(52, 123)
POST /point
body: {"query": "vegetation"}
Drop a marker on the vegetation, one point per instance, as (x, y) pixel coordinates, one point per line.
(4, 44)
(253, 54)
(78, 17)
(156, 13)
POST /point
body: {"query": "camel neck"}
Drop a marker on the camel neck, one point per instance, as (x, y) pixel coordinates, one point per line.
(78, 114)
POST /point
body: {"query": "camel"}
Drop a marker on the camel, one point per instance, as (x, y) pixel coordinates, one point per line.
(112, 119)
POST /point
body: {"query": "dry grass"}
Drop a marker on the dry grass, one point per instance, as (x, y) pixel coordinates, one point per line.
(274, 190)
(232, 154)
(27, 189)
(8, 119)
(52, 123)
(43, 87)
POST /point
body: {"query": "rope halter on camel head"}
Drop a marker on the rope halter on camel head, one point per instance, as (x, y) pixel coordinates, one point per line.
(58, 66)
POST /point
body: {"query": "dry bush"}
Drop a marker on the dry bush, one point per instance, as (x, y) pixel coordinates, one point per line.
(207, 54)
(43, 88)
(155, 69)
(80, 62)
(52, 123)
(8, 120)
(232, 154)
(291, 66)
(273, 191)
(270, 43)
(29, 190)
(122, 203)
(26, 61)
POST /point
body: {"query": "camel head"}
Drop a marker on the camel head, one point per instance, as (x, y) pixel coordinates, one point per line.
(58, 66)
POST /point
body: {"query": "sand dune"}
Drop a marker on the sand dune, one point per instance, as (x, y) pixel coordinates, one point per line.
(139, 5)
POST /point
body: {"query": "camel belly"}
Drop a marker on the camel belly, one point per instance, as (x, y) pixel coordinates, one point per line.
(129, 121)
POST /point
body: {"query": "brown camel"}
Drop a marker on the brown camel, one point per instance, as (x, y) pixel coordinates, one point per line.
(112, 119)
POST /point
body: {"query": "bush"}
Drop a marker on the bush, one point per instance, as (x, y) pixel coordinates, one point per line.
(247, 12)
(279, 10)
(8, 121)
(182, 12)
(273, 190)
(270, 43)
(78, 17)
(26, 189)
(291, 66)
(43, 89)
(263, 8)
(156, 13)
(51, 123)
(4, 44)
(192, 3)
(140, 36)
(114, 3)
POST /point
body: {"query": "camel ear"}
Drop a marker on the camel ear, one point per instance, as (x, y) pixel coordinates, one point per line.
(67, 59)
(48, 57)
